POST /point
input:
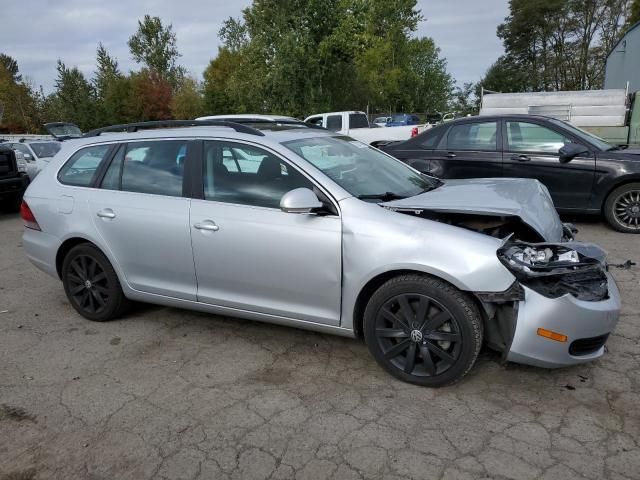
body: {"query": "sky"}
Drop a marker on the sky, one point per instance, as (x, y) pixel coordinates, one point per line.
(70, 30)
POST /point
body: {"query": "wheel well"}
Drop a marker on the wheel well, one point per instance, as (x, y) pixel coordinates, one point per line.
(375, 283)
(64, 249)
(626, 181)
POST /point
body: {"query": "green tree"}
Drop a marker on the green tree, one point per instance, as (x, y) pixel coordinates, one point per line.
(11, 66)
(155, 46)
(558, 44)
(18, 103)
(74, 98)
(634, 13)
(187, 102)
(106, 71)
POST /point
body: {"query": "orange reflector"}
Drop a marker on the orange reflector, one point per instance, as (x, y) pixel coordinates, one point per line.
(558, 337)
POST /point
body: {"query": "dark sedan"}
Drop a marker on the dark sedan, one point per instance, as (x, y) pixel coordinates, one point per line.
(583, 173)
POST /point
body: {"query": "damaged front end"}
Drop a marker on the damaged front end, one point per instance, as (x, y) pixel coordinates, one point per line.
(561, 308)
(554, 270)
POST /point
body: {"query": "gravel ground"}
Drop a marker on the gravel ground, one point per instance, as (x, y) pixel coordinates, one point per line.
(171, 394)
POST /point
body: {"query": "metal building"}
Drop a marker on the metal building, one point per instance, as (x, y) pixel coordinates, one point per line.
(623, 62)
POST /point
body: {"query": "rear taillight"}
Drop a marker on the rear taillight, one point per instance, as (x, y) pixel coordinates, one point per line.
(28, 217)
(414, 132)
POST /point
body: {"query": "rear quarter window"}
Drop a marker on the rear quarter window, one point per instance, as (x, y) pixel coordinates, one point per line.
(81, 169)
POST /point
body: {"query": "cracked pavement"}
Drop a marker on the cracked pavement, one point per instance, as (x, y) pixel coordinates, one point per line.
(173, 394)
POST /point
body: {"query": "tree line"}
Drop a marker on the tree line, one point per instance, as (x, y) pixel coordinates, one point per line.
(298, 57)
(295, 57)
(558, 44)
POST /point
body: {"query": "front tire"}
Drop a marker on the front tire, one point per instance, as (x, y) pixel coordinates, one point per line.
(622, 208)
(423, 330)
(91, 284)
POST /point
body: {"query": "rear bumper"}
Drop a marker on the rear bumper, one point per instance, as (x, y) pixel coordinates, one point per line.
(41, 249)
(589, 323)
(14, 185)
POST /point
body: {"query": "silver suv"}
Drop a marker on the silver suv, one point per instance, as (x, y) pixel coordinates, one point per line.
(306, 228)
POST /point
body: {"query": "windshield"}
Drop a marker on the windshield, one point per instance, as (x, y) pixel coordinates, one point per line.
(584, 135)
(360, 169)
(45, 149)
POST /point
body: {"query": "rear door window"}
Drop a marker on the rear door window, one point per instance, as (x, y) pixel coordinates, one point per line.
(155, 167)
(473, 136)
(357, 120)
(334, 123)
(82, 168)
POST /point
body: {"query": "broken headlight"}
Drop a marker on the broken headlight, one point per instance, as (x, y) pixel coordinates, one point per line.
(554, 270)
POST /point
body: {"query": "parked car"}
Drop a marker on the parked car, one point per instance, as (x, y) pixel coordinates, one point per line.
(400, 119)
(381, 121)
(356, 125)
(37, 153)
(321, 232)
(13, 178)
(583, 173)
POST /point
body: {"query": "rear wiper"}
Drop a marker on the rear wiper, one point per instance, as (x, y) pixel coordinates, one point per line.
(386, 196)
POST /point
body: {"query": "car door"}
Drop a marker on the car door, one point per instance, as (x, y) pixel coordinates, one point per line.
(469, 149)
(418, 151)
(249, 254)
(531, 151)
(143, 218)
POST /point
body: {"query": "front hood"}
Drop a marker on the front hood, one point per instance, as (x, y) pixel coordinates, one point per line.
(521, 197)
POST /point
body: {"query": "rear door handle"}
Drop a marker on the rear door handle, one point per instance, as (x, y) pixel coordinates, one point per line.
(207, 225)
(451, 155)
(520, 158)
(106, 213)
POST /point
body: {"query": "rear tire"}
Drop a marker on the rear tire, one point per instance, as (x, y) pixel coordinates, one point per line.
(423, 330)
(91, 284)
(622, 208)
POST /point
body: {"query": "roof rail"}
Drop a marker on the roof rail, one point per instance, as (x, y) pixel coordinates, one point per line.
(134, 127)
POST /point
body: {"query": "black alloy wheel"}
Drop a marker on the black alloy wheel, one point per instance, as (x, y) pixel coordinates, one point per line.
(423, 330)
(622, 208)
(92, 285)
(418, 335)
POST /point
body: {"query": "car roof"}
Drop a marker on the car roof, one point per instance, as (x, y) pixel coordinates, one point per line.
(517, 116)
(213, 132)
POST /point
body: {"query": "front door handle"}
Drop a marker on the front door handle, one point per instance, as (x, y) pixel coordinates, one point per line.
(520, 158)
(207, 225)
(450, 155)
(106, 213)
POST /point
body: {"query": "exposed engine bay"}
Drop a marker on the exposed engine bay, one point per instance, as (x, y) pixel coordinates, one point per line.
(554, 270)
(498, 226)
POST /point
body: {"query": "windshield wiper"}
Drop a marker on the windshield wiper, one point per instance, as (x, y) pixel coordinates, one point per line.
(386, 196)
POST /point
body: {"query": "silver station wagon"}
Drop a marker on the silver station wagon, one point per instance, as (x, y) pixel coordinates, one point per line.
(302, 227)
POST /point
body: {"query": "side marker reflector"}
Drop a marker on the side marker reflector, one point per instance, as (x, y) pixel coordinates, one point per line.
(551, 335)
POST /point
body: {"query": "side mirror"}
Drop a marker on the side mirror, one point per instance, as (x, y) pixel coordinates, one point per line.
(299, 200)
(28, 157)
(570, 151)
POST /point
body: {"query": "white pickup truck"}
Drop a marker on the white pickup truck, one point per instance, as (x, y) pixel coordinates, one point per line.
(356, 125)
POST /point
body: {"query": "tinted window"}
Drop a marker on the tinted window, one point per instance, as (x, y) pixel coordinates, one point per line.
(21, 148)
(80, 170)
(530, 137)
(315, 121)
(154, 167)
(334, 122)
(357, 120)
(430, 138)
(262, 178)
(46, 149)
(111, 180)
(473, 136)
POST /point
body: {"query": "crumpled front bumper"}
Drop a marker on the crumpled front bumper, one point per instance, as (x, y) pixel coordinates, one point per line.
(577, 319)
